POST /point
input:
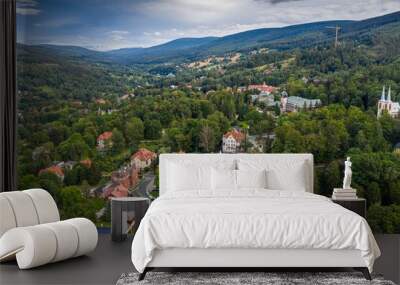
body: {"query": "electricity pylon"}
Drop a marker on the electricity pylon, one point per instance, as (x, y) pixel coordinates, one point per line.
(337, 28)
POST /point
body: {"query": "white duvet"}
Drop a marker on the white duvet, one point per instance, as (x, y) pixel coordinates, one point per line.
(250, 219)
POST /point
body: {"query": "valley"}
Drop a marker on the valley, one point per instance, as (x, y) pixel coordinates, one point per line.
(85, 115)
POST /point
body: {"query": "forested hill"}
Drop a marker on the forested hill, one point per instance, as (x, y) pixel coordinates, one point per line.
(62, 74)
(187, 49)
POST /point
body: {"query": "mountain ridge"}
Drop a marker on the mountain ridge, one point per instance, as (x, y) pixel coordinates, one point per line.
(186, 49)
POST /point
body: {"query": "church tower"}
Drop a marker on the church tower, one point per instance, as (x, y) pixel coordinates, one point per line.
(387, 105)
(381, 103)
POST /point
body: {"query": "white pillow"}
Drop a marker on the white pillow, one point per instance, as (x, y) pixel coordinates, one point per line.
(251, 178)
(293, 179)
(282, 174)
(223, 179)
(182, 177)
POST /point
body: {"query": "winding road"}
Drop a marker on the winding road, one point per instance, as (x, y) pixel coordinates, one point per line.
(146, 185)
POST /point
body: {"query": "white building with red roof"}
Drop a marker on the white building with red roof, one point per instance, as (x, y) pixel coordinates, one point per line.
(104, 140)
(262, 88)
(232, 140)
(143, 158)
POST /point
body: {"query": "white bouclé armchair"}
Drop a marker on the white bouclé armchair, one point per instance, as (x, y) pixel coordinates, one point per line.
(31, 231)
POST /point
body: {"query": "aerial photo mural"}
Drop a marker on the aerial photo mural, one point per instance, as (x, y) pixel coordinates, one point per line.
(105, 87)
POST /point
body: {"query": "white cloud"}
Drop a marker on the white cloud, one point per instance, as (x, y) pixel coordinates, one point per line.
(117, 38)
(197, 18)
(152, 34)
(58, 22)
(27, 7)
(145, 23)
(118, 35)
(27, 2)
(27, 11)
(116, 32)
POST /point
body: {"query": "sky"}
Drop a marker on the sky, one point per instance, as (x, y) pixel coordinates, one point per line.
(112, 24)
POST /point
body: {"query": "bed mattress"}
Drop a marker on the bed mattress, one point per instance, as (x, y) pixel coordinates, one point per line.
(250, 219)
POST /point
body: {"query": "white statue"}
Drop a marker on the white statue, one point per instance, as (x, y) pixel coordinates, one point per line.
(347, 174)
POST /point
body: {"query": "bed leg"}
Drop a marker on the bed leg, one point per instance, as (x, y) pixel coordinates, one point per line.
(365, 272)
(143, 274)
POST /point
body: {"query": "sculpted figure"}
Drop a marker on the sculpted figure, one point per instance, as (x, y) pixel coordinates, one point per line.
(347, 174)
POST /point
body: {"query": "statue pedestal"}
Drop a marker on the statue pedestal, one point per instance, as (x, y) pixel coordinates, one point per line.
(344, 194)
(344, 190)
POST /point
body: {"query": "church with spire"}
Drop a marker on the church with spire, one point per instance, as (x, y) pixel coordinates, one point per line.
(385, 104)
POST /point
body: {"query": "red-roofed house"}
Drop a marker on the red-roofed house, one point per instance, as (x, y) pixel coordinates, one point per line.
(262, 88)
(232, 140)
(55, 169)
(121, 181)
(127, 176)
(86, 162)
(115, 190)
(104, 140)
(120, 191)
(143, 158)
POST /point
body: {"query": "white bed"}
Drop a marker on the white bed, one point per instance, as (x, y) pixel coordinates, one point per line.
(248, 227)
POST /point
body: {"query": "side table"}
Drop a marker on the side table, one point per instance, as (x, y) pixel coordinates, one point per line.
(126, 214)
(357, 205)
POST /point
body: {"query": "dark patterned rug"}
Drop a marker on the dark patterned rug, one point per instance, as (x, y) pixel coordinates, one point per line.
(243, 278)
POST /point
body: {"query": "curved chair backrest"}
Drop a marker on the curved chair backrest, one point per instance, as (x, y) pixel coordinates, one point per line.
(26, 208)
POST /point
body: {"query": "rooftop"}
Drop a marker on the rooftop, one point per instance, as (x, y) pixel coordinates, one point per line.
(86, 162)
(262, 87)
(237, 135)
(57, 170)
(144, 154)
(299, 101)
(104, 136)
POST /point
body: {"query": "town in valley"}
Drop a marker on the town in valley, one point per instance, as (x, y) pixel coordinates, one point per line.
(93, 125)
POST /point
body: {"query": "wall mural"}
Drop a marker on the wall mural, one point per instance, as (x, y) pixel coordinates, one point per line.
(106, 86)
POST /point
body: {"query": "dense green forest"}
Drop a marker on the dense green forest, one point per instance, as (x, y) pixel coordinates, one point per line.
(182, 107)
